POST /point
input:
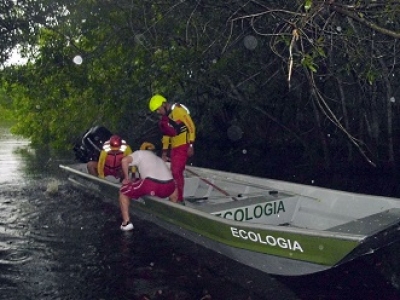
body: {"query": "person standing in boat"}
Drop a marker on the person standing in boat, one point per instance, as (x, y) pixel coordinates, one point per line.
(179, 134)
(155, 179)
(109, 163)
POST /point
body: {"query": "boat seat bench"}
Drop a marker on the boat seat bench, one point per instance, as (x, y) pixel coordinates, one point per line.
(371, 223)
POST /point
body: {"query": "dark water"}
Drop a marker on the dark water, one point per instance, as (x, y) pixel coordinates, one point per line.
(59, 243)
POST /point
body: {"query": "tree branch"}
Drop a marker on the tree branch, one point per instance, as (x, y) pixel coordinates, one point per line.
(365, 22)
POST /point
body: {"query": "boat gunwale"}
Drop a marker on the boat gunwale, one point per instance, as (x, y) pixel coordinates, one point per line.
(228, 222)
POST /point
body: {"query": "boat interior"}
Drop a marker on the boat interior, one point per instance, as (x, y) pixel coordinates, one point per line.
(253, 203)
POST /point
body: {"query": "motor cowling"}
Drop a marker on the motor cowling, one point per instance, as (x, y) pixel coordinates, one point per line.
(90, 144)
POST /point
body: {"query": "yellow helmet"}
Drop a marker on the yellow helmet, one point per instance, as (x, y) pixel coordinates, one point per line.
(156, 101)
(147, 146)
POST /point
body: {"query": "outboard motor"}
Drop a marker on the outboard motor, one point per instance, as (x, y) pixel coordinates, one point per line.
(90, 145)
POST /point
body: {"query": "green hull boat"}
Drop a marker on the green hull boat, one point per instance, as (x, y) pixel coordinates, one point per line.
(278, 227)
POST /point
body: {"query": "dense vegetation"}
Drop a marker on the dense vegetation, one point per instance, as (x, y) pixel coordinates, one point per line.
(316, 81)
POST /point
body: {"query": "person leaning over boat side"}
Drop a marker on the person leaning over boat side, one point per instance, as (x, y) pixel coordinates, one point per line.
(179, 134)
(143, 146)
(155, 179)
(109, 163)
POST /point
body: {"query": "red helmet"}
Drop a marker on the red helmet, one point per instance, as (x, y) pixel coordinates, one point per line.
(115, 141)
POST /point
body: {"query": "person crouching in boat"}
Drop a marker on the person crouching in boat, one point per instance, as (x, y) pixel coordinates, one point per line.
(109, 163)
(155, 179)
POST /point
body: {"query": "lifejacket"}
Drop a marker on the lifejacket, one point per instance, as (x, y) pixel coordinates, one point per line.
(112, 163)
(170, 127)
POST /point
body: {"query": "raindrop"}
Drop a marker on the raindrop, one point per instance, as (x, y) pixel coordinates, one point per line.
(235, 133)
(77, 60)
(250, 42)
(139, 39)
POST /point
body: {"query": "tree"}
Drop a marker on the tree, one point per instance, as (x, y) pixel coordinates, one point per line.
(289, 73)
(22, 20)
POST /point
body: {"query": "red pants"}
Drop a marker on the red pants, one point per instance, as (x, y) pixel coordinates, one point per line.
(148, 186)
(178, 162)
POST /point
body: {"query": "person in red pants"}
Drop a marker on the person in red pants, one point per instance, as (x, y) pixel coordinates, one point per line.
(179, 134)
(155, 179)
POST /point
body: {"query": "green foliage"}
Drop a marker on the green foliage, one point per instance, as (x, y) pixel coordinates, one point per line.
(6, 114)
(6, 105)
(22, 20)
(307, 5)
(308, 62)
(237, 63)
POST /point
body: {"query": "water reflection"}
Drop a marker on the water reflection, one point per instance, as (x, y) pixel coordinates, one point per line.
(9, 165)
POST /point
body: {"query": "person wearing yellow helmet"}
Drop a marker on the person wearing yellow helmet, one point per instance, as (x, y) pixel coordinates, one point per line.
(179, 134)
(156, 102)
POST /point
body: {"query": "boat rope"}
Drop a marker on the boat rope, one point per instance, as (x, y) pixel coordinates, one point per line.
(211, 184)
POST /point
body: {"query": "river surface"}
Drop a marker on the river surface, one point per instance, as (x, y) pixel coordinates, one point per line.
(60, 243)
